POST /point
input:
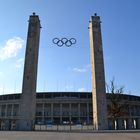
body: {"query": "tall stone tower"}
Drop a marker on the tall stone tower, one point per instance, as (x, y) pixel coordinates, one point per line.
(28, 96)
(98, 75)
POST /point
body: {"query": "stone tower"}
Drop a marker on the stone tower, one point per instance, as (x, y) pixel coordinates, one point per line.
(98, 75)
(28, 96)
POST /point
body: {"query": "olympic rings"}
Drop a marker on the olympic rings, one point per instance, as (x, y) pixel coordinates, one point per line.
(64, 41)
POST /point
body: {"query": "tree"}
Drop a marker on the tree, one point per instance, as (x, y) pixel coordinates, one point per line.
(117, 106)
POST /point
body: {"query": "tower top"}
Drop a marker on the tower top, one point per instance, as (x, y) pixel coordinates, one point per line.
(95, 14)
(95, 18)
(34, 15)
(34, 18)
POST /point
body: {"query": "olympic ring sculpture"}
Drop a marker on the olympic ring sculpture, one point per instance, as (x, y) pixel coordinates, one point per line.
(64, 41)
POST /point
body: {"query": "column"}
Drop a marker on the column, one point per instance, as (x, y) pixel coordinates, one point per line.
(135, 123)
(87, 113)
(98, 75)
(125, 124)
(28, 96)
(43, 114)
(6, 110)
(70, 112)
(61, 113)
(12, 110)
(79, 112)
(52, 112)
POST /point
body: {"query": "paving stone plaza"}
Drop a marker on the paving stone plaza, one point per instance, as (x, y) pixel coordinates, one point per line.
(11, 135)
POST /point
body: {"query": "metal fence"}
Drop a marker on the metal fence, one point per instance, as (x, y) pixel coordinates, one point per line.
(78, 127)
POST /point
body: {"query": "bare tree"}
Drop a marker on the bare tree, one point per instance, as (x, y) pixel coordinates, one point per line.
(117, 106)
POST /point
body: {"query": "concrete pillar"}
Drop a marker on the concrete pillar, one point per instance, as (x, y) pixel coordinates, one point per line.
(6, 110)
(28, 96)
(61, 113)
(12, 110)
(43, 112)
(135, 123)
(70, 112)
(87, 113)
(116, 124)
(79, 112)
(52, 112)
(125, 124)
(98, 75)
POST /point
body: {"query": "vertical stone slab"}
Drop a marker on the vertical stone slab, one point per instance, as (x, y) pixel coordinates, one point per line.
(28, 97)
(138, 123)
(98, 75)
(130, 123)
(121, 124)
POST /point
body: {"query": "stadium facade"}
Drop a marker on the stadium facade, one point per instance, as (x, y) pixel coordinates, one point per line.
(23, 111)
(67, 108)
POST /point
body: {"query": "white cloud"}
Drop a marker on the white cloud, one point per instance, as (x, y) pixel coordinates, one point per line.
(19, 63)
(11, 48)
(80, 70)
(82, 90)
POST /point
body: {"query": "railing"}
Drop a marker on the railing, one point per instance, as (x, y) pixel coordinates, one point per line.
(50, 127)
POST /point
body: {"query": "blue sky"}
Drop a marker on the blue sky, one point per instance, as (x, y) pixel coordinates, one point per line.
(68, 69)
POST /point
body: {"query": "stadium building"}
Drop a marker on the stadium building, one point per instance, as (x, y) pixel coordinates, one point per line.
(102, 111)
(65, 108)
